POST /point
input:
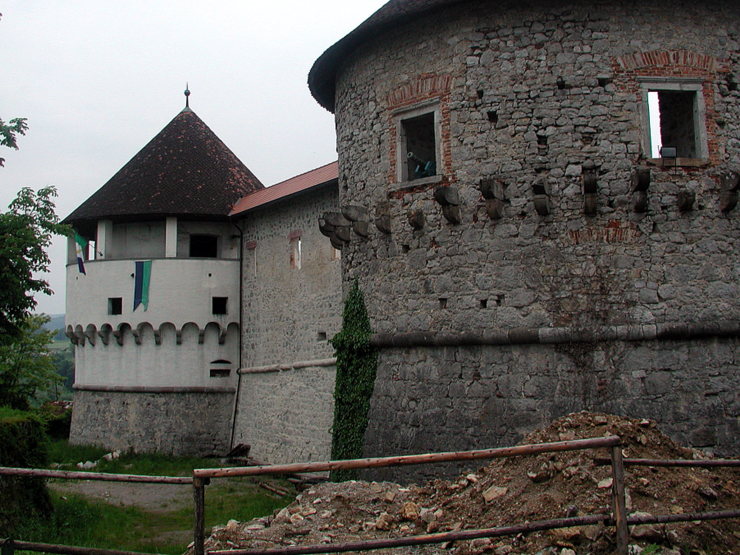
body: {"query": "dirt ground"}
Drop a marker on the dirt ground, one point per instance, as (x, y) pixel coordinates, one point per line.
(149, 497)
(516, 490)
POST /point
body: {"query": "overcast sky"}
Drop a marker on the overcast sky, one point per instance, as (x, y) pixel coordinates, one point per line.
(98, 79)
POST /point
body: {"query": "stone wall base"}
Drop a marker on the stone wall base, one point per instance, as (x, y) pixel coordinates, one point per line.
(456, 398)
(173, 423)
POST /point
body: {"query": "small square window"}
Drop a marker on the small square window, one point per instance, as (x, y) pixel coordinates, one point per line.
(218, 305)
(203, 246)
(420, 146)
(220, 372)
(675, 113)
(115, 305)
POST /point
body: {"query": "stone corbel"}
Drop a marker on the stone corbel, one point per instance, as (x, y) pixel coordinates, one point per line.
(72, 337)
(493, 191)
(416, 219)
(157, 337)
(90, 336)
(178, 337)
(336, 227)
(728, 195)
(449, 198)
(360, 218)
(201, 336)
(640, 184)
(118, 334)
(383, 217)
(137, 336)
(222, 336)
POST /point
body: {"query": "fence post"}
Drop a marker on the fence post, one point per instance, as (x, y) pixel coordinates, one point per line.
(199, 498)
(7, 547)
(618, 501)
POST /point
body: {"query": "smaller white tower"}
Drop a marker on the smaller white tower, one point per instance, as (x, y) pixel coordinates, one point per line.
(153, 303)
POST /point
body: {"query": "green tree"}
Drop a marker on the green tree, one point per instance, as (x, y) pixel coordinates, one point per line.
(27, 367)
(26, 230)
(9, 132)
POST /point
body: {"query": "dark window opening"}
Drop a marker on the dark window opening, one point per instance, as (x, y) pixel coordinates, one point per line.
(115, 305)
(677, 123)
(204, 246)
(218, 305)
(220, 372)
(443, 303)
(421, 146)
(484, 303)
(321, 336)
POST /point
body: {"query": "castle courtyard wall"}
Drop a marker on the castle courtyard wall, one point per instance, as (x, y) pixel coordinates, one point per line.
(292, 306)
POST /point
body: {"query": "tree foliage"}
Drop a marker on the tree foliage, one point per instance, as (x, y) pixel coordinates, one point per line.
(9, 133)
(357, 361)
(27, 366)
(26, 230)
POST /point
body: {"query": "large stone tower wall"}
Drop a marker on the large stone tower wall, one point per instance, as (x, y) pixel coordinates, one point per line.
(564, 277)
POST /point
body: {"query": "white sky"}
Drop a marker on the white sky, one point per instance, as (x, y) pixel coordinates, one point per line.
(98, 79)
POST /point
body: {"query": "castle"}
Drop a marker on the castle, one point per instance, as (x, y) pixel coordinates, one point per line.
(538, 201)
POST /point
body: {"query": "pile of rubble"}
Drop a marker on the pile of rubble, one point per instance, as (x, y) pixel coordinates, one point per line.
(517, 490)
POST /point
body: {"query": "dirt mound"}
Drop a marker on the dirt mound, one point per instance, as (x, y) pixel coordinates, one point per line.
(515, 490)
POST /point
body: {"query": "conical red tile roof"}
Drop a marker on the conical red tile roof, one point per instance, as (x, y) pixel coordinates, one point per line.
(185, 171)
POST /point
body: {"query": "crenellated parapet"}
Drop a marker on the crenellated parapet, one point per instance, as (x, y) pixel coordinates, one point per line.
(107, 334)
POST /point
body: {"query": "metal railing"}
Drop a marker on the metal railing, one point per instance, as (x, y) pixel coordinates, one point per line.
(201, 478)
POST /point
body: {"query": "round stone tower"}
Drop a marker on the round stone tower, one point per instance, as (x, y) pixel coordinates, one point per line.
(553, 187)
(153, 294)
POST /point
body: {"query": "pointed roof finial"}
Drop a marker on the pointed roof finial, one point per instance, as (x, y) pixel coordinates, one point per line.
(187, 95)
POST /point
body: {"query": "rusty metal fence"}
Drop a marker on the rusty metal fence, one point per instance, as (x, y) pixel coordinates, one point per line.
(201, 478)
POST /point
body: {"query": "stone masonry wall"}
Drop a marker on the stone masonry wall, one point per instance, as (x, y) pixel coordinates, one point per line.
(290, 313)
(542, 98)
(187, 423)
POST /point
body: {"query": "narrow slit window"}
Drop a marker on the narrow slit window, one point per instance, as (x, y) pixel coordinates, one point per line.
(219, 305)
(296, 253)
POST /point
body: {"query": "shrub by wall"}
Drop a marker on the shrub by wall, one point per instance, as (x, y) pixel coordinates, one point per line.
(357, 362)
(22, 444)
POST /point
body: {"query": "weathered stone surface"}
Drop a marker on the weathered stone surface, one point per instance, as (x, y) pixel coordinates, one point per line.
(551, 111)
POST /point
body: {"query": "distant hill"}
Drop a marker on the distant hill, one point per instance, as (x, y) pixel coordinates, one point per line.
(56, 321)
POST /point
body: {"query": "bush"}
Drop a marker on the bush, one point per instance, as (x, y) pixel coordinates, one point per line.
(23, 440)
(58, 418)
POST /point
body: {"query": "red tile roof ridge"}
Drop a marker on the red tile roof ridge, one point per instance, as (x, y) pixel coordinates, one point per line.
(291, 186)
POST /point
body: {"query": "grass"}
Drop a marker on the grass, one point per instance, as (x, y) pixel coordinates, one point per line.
(61, 452)
(89, 522)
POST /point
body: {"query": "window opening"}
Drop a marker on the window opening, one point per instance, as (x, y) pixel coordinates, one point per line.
(220, 372)
(673, 122)
(420, 146)
(296, 253)
(218, 305)
(115, 305)
(203, 246)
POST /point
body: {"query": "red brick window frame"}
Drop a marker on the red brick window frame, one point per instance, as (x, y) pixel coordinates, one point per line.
(679, 71)
(424, 95)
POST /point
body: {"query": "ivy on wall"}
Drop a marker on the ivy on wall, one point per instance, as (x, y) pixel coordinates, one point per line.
(357, 361)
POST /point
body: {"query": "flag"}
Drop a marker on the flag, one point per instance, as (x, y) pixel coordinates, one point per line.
(80, 246)
(142, 276)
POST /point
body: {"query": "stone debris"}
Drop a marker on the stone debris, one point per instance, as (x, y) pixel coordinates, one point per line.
(504, 493)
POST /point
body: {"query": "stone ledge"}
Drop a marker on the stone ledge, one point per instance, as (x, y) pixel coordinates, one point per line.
(523, 336)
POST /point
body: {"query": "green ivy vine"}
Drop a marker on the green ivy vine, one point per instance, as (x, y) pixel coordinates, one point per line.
(357, 362)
